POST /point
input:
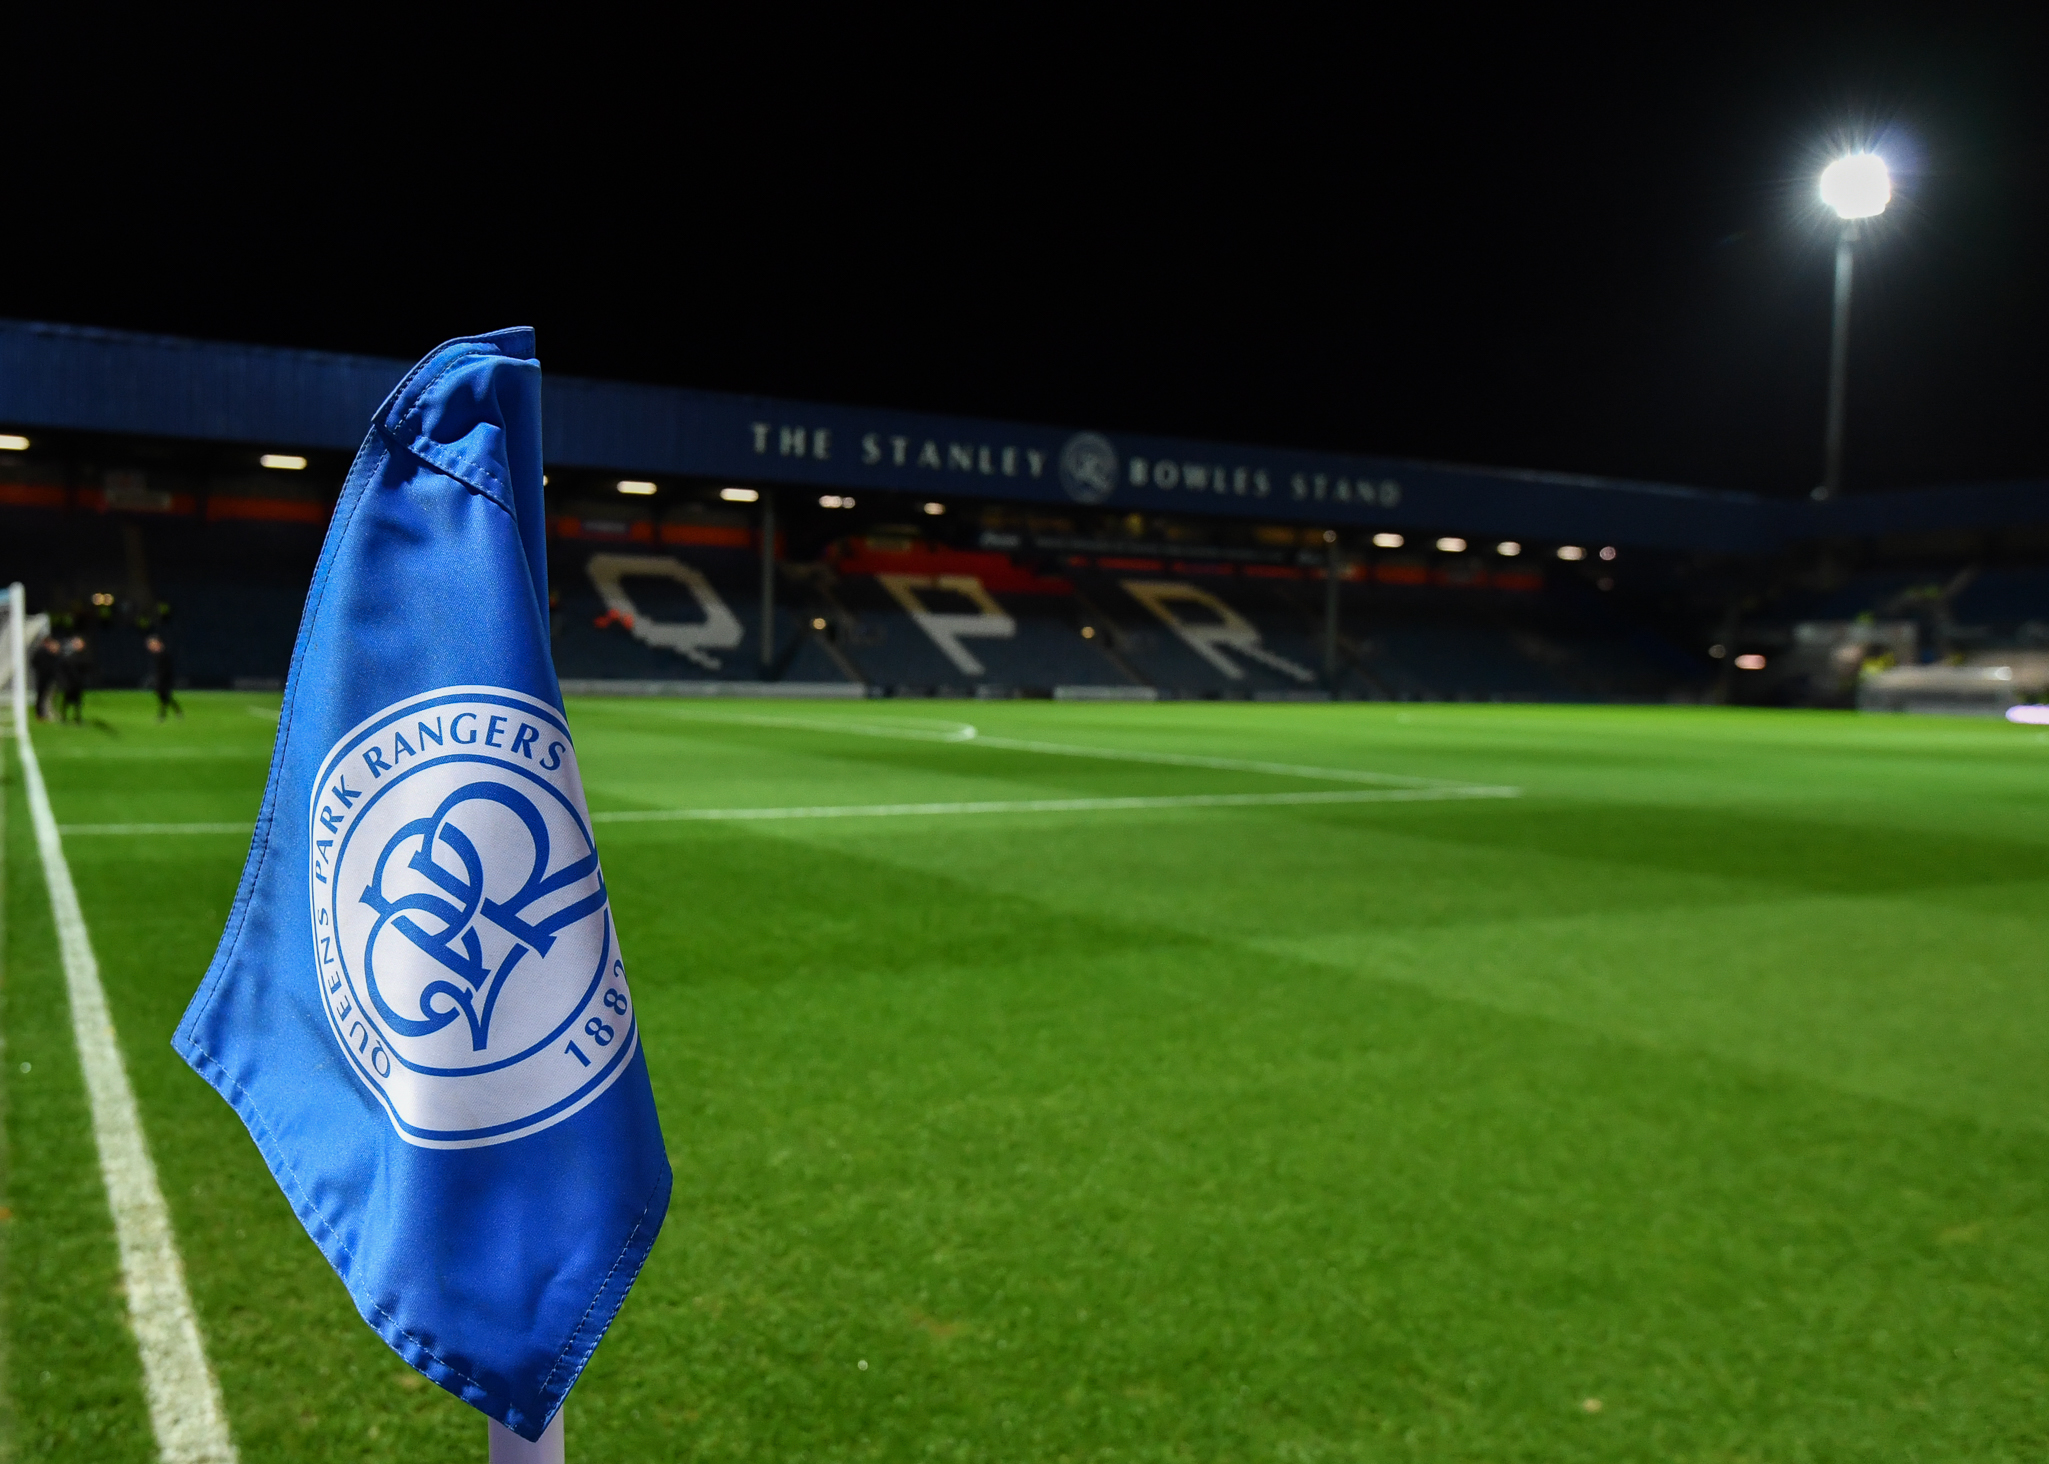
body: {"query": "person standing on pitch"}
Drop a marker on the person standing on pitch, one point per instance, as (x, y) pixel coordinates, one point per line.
(44, 662)
(162, 667)
(72, 667)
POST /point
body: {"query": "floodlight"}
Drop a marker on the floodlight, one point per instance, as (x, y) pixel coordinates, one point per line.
(1452, 546)
(11, 443)
(1508, 548)
(935, 509)
(1857, 187)
(739, 495)
(1571, 551)
(289, 462)
(638, 487)
(1387, 541)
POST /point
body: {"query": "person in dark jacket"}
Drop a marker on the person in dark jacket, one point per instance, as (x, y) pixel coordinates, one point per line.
(72, 669)
(162, 670)
(44, 663)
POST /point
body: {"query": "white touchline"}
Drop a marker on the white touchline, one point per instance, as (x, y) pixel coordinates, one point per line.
(185, 1408)
(967, 732)
(1052, 805)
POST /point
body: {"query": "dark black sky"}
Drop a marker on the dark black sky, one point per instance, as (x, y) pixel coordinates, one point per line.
(1589, 248)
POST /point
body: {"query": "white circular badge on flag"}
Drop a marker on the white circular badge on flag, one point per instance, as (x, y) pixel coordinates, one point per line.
(461, 928)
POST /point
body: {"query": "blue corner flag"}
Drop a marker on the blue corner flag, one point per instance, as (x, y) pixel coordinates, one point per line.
(419, 1006)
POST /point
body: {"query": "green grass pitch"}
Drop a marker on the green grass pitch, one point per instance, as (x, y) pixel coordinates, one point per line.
(1693, 1105)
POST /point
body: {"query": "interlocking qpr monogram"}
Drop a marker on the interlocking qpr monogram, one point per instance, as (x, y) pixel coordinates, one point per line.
(461, 926)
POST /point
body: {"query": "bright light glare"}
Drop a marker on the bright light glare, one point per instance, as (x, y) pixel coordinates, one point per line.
(818, 622)
(1571, 551)
(2031, 715)
(289, 462)
(1508, 548)
(1452, 546)
(835, 500)
(1607, 551)
(740, 495)
(935, 509)
(1750, 662)
(1088, 632)
(1387, 541)
(1858, 186)
(635, 486)
(11, 443)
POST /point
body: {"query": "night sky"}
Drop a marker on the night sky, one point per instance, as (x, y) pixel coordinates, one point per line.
(1584, 249)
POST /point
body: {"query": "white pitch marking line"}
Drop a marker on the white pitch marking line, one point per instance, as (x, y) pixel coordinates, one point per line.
(87, 830)
(967, 732)
(916, 810)
(1052, 805)
(185, 1408)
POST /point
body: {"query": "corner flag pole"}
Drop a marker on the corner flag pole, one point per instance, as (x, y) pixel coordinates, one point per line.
(508, 1447)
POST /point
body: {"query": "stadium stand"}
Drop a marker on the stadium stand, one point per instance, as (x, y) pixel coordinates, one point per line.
(918, 555)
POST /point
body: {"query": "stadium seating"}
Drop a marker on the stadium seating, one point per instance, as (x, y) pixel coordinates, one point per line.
(640, 597)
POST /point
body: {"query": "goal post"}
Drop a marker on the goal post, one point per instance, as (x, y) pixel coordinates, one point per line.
(17, 629)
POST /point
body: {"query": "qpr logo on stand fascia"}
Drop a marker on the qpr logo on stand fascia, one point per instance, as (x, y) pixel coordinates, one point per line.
(461, 927)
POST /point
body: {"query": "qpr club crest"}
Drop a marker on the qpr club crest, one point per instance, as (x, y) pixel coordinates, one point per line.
(1088, 467)
(461, 925)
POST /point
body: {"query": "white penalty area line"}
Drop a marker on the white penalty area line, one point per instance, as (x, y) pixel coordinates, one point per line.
(1051, 805)
(936, 730)
(185, 1408)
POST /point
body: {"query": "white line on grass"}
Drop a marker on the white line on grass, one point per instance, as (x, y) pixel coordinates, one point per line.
(967, 732)
(1052, 805)
(1449, 791)
(76, 830)
(185, 1408)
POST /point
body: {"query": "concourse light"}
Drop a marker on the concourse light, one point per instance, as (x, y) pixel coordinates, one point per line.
(289, 462)
(836, 500)
(935, 509)
(638, 487)
(1088, 632)
(11, 443)
(818, 622)
(1387, 541)
(1718, 651)
(1750, 662)
(1857, 187)
(1607, 551)
(1508, 548)
(740, 495)
(1451, 545)
(1571, 551)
